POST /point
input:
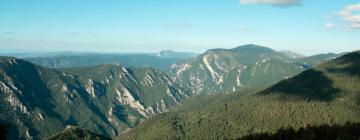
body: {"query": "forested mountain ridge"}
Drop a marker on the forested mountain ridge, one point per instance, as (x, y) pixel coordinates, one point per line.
(106, 99)
(229, 70)
(41, 101)
(327, 94)
(224, 70)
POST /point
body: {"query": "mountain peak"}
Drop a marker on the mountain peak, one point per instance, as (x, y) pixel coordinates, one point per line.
(245, 48)
(6, 62)
(253, 48)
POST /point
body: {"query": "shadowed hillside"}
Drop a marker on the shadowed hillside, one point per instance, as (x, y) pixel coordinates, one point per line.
(309, 85)
(318, 83)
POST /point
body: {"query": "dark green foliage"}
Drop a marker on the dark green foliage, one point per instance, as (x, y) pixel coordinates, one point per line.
(77, 134)
(349, 131)
(4, 130)
(318, 83)
(349, 64)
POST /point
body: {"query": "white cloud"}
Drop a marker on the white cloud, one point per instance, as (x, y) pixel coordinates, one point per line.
(272, 2)
(351, 19)
(329, 26)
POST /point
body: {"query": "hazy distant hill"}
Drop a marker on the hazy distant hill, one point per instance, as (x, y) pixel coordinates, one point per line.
(174, 54)
(161, 60)
(327, 94)
(106, 99)
(292, 55)
(163, 53)
(319, 58)
(134, 60)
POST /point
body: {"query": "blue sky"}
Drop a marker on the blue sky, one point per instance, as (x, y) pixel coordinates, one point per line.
(308, 26)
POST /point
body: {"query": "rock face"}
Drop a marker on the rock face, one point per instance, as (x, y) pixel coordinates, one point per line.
(229, 70)
(106, 99)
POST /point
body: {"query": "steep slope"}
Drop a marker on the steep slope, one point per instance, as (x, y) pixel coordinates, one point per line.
(327, 94)
(229, 70)
(105, 99)
(146, 85)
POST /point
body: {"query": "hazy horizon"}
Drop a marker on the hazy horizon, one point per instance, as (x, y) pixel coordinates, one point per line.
(139, 52)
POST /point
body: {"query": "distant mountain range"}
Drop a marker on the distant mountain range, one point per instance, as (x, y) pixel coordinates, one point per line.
(174, 54)
(222, 70)
(161, 60)
(134, 60)
(110, 93)
(326, 95)
(163, 53)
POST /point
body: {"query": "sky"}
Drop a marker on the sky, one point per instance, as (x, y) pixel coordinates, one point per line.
(303, 26)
